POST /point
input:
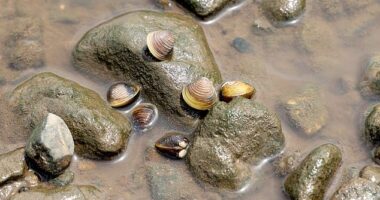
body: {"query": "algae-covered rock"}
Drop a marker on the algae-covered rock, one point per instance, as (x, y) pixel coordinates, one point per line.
(376, 155)
(370, 85)
(312, 177)
(371, 173)
(204, 8)
(231, 137)
(99, 132)
(372, 125)
(70, 192)
(12, 164)
(117, 50)
(306, 110)
(358, 189)
(284, 10)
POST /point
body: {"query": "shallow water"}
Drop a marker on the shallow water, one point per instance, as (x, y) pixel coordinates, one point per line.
(277, 65)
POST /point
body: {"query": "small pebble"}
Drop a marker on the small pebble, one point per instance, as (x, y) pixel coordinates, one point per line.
(241, 45)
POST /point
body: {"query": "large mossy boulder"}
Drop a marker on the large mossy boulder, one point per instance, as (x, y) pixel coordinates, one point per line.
(231, 137)
(116, 50)
(312, 177)
(99, 132)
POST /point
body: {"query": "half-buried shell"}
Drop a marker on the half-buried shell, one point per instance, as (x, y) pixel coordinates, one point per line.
(122, 94)
(232, 89)
(173, 145)
(160, 43)
(144, 116)
(200, 95)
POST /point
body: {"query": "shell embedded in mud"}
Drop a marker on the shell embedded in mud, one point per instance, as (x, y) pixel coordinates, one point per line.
(144, 116)
(200, 94)
(122, 94)
(232, 89)
(173, 145)
(160, 43)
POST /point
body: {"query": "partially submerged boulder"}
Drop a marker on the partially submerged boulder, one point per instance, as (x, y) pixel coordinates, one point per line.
(231, 137)
(312, 177)
(51, 145)
(12, 165)
(99, 132)
(117, 49)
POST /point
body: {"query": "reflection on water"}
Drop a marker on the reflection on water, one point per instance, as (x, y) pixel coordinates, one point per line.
(328, 48)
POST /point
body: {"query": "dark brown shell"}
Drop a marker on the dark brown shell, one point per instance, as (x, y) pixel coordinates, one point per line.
(173, 145)
(122, 94)
(160, 43)
(144, 116)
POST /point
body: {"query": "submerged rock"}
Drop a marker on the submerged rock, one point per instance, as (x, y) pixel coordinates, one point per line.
(68, 192)
(231, 137)
(371, 173)
(12, 165)
(312, 177)
(332, 8)
(376, 155)
(204, 8)
(241, 45)
(306, 111)
(284, 10)
(64, 179)
(286, 163)
(372, 125)
(99, 132)
(12, 188)
(356, 189)
(51, 145)
(370, 85)
(117, 50)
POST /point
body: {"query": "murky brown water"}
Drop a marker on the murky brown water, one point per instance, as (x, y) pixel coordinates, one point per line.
(277, 66)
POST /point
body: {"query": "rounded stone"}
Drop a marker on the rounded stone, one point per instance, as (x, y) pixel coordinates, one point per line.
(372, 125)
(371, 173)
(284, 10)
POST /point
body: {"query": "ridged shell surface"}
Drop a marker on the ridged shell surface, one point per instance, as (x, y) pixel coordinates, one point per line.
(160, 43)
(200, 95)
(144, 116)
(122, 94)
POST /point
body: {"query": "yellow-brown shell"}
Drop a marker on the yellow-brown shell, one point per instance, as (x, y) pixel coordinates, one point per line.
(232, 89)
(200, 94)
(144, 116)
(160, 43)
(122, 94)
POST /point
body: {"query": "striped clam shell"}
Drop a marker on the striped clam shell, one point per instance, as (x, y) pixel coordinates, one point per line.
(122, 94)
(160, 43)
(173, 145)
(232, 89)
(144, 116)
(200, 95)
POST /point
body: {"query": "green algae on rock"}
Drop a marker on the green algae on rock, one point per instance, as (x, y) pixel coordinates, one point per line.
(372, 126)
(231, 137)
(204, 8)
(117, 50)
(312, 177)
(99, 132)
(283, 10)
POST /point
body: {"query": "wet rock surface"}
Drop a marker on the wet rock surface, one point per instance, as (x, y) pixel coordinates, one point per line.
(371, 173)
(69, 192)
(312, 177)
(370, 85)
(372, 125)
(283, 10)
(306, 110)
(376, 155)
(287, 162)
(358, 188)
(169, 179)
(12, 164)
(64, 179)
(204, 8)
(51, 145)
(11, 188)
(117, 50)
(231, 137)
(98, 131)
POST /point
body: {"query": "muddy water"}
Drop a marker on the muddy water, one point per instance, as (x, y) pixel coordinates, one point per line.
(278, 64)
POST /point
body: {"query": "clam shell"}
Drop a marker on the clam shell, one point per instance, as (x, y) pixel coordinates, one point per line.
(173, 145)
(144, 116)
(122, 94)
(160, 43)
(200, 94)
(232, 89)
